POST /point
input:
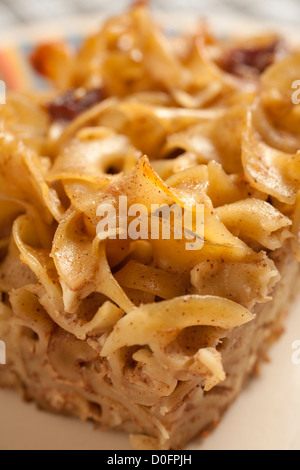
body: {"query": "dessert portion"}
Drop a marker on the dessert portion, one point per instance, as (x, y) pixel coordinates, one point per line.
(142, 334)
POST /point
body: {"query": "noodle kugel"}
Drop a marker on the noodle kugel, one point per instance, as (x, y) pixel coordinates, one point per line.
(143, 335)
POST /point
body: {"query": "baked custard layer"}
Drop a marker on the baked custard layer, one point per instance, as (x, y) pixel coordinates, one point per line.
(61, 374)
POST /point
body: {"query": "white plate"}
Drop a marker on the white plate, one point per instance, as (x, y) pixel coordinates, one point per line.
(267, 413)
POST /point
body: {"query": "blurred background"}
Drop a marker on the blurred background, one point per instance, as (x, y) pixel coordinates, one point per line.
(14, 12)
